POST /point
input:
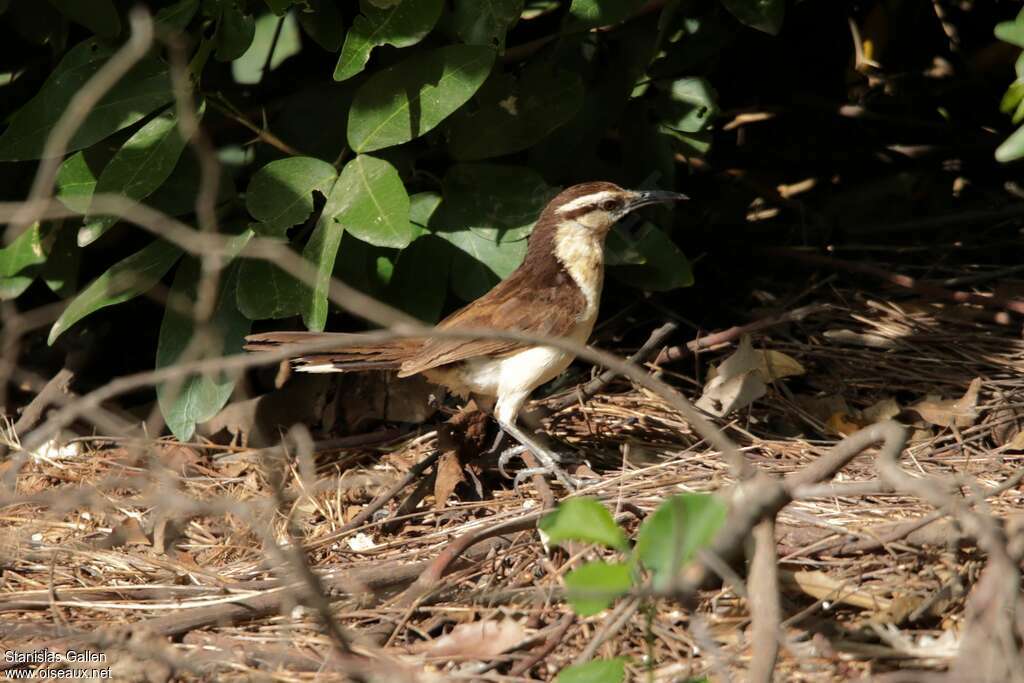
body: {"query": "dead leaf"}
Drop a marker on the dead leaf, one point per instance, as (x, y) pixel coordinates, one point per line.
(736, 383)
(960, 412)
(449, 475)
(843, 424)
(128, 532)
(881, 410)
(477, 640)
(775, 365)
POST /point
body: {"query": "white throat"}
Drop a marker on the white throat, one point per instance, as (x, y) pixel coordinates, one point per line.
(581, 251)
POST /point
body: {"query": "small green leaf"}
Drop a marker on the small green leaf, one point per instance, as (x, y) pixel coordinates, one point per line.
(593, 587)
(142, 164)
(398, 24)
(76, 182)
(764, 15)
(1012, 147)
(280, 194)
(267, 291)
(664, 266)
(198, 397)
(144, 89)
(364, 266)
(485, 23)
(123, 281)
(672, 535)
(1013, 96)
(26, 250)
(602, 12)
(515, 114)
(321, 20)
(583, 519)
(248, 69)
(409, 99)
(693, 105)
(235, 31)
(178, 15)
(597, 671)
(372, 204)
(60, 272)
(99, 16)
(419, 283)
(1011, 31)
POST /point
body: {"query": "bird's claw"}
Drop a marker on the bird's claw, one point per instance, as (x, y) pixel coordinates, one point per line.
(549, 464)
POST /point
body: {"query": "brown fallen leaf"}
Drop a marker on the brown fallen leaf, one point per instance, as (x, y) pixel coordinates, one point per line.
(449, 475)
(477, 640)
(734, 384)
(961, 412)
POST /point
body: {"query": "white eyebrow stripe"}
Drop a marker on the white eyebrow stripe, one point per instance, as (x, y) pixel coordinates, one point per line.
(586, 200)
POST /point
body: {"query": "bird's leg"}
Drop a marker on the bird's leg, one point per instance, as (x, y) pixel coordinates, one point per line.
(549, 459)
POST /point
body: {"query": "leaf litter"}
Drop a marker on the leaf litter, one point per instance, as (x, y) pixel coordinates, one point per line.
(110, 540)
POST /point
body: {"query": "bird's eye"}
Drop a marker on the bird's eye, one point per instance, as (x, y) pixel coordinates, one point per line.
(609, 205)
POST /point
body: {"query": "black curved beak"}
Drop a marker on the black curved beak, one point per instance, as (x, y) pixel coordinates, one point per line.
(648, 197)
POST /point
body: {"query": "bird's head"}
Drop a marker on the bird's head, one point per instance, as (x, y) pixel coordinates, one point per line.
(598, 206)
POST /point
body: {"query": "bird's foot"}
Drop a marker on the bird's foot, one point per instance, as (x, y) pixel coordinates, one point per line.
(549, 465)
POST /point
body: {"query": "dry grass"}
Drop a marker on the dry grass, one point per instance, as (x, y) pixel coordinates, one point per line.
(119, 547)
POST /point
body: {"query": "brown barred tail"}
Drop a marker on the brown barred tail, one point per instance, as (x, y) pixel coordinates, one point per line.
(352, 354)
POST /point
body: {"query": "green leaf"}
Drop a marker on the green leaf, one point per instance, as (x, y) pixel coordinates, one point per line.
(142, 164)
(143, 89)
(12, 287)
(26, 250)
(400, 24)
(177, 195)
(597, 671)
(1013, 96)
(178, 15)
(672, 535)
(419, 284)
(1012, 147)
(515, 114)
(693, 105)
(602, 12)
(370, 201)
(279, 7)
(593, 587)
(99, 16)
(486, 213)
(248, 69)
(280, 194)
(764, 15)
(123, 281)
(501, 203)
(1011, 32)
(485, 22)
(235, 31)
(364, 266)
(583, 519)
(321, 20)
(481, 262)
(409, 99)
(198, 397)
(664, 268)
(620, 250)
(422, 206)
(76, 182)
(267, 291)
(60, 272)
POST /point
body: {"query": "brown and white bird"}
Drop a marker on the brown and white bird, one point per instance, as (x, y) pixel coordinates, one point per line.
(555, 292)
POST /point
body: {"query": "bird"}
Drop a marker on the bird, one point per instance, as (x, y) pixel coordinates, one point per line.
(555, 291)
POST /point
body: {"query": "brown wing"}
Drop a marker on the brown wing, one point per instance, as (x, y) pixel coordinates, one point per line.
(552, 308)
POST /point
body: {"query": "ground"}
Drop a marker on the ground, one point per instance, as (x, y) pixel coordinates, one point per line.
(162, 555)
